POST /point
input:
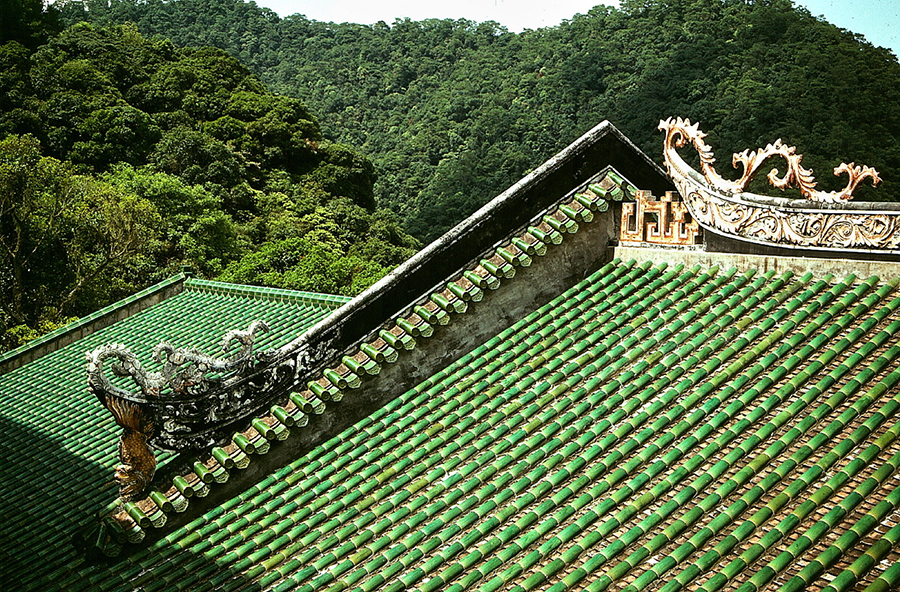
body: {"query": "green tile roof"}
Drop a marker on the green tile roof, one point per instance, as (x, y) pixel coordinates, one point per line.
(653, 427)
(57, 444)
(130, 522)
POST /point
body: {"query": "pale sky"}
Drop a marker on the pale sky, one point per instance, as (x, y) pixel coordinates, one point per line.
(877, 20)
(515, 15)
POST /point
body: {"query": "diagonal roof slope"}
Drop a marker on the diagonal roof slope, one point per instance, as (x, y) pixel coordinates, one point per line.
(515, 409)
(58, 446)
(330, 362)
(653, 426)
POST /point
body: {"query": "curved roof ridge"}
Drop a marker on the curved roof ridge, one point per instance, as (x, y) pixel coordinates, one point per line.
(340, 353)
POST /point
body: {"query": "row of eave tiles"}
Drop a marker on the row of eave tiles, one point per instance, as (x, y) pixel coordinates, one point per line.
(58, 444)
(651, 428)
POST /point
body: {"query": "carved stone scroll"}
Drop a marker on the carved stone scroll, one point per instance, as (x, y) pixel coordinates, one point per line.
(679, 131)
(816, 230)
(720, 205)
(192, 403)
(665, 221)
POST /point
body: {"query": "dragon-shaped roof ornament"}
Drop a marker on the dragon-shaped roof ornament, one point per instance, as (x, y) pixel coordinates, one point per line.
(823, 220)
(184, 405)
(679, 131)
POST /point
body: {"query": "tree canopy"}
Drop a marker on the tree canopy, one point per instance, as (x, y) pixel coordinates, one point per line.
(453, 112)
(124, 158)
(152, 134)
(28, 22)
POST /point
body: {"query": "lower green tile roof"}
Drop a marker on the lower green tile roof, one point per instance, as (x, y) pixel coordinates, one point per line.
(654, 427)
(58, 445)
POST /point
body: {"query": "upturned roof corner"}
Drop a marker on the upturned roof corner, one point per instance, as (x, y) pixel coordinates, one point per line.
(240, 408)
(237, 405)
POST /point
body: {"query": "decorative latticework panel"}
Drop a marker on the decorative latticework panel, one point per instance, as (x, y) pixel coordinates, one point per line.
(665, 221)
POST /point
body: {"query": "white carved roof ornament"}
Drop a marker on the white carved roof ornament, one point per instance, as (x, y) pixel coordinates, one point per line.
(189, 404)
(824, 220)
(679, 131)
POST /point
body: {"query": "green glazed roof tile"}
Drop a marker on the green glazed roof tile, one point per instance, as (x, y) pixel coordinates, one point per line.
(653, 427)
(61, 444)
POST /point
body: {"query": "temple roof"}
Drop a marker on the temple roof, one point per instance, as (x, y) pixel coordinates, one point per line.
(520, 407)
(652, 424)
(58, 445)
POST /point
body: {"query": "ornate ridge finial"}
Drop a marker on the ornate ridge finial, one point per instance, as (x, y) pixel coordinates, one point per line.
(679, 131)
(180, 407)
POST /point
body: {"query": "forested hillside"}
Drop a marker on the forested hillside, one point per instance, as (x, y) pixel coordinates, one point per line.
(452, 112)
(123, 159)
(130, 150)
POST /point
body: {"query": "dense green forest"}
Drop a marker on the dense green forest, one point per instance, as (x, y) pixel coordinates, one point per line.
(453, 112)
(123, 159)
(139, 136)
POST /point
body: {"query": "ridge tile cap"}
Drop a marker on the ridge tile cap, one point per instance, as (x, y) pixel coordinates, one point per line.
(267, 293)
(86, 320)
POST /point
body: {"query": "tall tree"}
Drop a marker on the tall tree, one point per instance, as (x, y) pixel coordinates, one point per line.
(29, 22)
(61, 234)
(452, 112)
(126, 157)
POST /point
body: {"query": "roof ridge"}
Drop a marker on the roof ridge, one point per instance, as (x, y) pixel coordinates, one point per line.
(264, 292)
(128, 521)
(50, 342)
(610, 418)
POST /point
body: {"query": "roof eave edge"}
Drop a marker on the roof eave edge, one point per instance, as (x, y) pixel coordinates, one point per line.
(88, 324)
